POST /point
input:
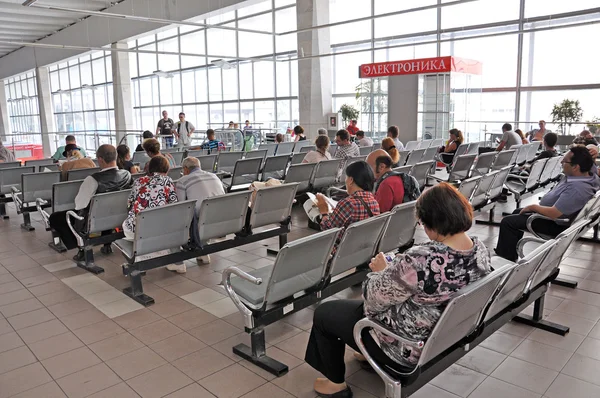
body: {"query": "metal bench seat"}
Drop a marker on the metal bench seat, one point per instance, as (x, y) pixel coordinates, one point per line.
(325, 174)
(10, 177)
(400, 229)
(34, 187)
(81, 174)
(275, 167)
(245, 172)
(461, 169)
(483, 164)
(301, 174)
(522, 185)
(226, 161)
(39, 164)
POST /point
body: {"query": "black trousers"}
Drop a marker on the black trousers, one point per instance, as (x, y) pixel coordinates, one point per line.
(511, 231)
(332, 330)
(58, 222)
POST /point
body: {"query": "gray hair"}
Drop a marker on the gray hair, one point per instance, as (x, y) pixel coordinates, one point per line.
(322, 131)
(191, 163)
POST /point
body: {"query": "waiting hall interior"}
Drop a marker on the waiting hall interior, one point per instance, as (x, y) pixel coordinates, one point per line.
(299, 198)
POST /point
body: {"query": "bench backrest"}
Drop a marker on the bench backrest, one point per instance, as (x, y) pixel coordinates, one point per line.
(429, 154)
(163, 227)
(140, 157)
(300, 265)
(520, 152)
(518, 281)
(359, 244)
(207, 162)
(259, 153)
(481, 194)
(275, 167)
(365, 150)
(297, 158)
(171, 150)
(400, 229)
(301, 144)
(11, 177)
(504, 158)
(107, 211)
(467, 187)
(222, 215)
(548, 171)
(308, 148)
(178, 157)
(285, 148)
(557, 171)
(473, 148)
(272, 205)
(269, 147)
(415, 157)
(63, 195)
(484, 163)
(226, 160)
(39, 163)
(81, 174)
(535, 173)
(496, 188)
(349, 161)
(403, 169)
(325, 174)
(411, 145)
(461, 168)
(532, 152)
(421, 171)
(38, 185)
(175, 173)
(332, 149)
(10, 165)
(436, 143)
(246, 171)
(194, 153)
(462, 314)
(302, 174)
(404, 157)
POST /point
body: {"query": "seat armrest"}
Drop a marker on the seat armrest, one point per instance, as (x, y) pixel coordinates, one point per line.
(537, 216)
(14, 192)
(39, 203)
(226, 282)
(331, 190)
(77, 235)
(526, 240)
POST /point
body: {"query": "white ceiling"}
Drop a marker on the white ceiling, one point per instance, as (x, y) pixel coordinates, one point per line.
(29, 24)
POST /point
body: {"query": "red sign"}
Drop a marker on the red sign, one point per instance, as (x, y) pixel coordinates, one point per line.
(420, 66)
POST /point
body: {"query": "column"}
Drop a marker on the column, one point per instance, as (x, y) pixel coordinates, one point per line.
(47, 126)
(4, 117)
(403, 105)
(122, 93)
(314, 74)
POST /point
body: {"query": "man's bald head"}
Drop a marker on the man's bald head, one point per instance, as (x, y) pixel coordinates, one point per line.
(373, 157)
(375, 162)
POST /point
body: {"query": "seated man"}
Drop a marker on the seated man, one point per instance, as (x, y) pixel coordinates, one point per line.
(509, 138)
(394, 132)
(108, 179)
(59, 154)
(389, 186)
(585, 138)
(345, 148)
(212, 143)
(199, 185)
(564, 201)
(361, 140)
(549, 151)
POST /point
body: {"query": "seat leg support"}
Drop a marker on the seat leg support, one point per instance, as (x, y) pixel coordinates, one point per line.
(3, 211)
(88, 262)
(56, 243)
(538, 322)
(27, 222)
(490, 220)
(136, 290)
(282, 242)
(257, 354)
(564, 283)
(593, 239)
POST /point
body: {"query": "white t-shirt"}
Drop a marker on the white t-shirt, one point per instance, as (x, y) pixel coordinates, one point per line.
(511, 138)
(366, 141)
(184, 132)
(399, 146)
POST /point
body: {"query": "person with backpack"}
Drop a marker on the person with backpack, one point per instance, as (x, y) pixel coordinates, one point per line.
(391, 188)
(183, 131)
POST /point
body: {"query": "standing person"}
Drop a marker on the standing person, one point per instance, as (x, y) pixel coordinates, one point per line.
(145, 136)
(164, 129)
(394, 132)
(538, 134)
(75, 160)
(124, 159)
(5, 155)
(183, 131)
(352, 127)
(152, 148)
(321, 153)
(362, 140)
(299, 132)
(509, 138)
(59, 154)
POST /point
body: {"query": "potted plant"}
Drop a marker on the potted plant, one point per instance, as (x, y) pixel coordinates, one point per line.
(348, 113)
(372, 99)
(566, 113)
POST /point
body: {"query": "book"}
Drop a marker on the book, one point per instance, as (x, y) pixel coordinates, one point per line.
(311, 208)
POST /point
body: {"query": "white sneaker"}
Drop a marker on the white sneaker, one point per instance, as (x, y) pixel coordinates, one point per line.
(179, 268)
(203, 259)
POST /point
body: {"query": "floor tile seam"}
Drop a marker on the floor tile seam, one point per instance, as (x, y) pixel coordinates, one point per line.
(235, 362)
(576, 316)
(229, 366)
(543, 366)
(79, 370)
(130, 352)
(597, 383)
(525, 388)
(25, 312)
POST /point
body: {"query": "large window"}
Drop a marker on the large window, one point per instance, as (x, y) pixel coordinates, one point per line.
(82, 96)
(23, 110)
(236, 75)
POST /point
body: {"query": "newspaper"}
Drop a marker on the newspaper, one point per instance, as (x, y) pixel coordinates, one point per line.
(311, 209)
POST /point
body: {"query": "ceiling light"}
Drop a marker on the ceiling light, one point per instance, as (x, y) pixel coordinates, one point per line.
(160, 73)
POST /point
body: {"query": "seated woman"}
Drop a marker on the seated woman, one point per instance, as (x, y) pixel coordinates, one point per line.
(299, 132)
(152, 148)
(321, 153)
(75, 160)
(448, 151)
(358, 205)
(388, 145)
(523, 139)
(154, 190)
(124, 160)
(407, 294)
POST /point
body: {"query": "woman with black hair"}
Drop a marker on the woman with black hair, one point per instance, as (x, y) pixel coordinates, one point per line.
(124, 159)
(145, 136)
(358, 205)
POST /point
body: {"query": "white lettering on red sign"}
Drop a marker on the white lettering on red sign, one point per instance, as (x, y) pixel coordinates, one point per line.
(405, 67)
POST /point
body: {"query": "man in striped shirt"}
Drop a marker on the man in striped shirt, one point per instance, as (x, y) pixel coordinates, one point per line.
(212, 143)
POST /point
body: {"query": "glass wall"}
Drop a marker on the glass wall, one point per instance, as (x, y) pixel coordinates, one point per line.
(23, 110)
(219, 79)
(82, 97)
(535, 53)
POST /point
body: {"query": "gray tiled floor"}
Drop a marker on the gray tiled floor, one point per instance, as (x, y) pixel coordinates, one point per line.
(64, 332)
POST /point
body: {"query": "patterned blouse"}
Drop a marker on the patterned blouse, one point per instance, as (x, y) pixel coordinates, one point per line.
(147, 192)
(411, 293)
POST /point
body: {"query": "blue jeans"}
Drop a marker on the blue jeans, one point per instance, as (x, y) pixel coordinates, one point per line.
(168, 142)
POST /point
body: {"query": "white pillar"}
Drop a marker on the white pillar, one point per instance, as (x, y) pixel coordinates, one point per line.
(314, 75)
(4, 117)
(122, 92)
(403, 105)
(47, 125)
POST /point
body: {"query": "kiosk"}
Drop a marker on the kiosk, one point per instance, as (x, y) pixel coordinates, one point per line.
(429, 96)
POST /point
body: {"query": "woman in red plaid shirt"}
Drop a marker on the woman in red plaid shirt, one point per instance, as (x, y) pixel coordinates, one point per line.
(358, 205)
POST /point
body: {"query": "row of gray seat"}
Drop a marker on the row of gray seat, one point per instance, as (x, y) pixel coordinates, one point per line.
(309, 270)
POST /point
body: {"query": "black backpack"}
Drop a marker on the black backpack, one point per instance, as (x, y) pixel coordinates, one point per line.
(412, 190)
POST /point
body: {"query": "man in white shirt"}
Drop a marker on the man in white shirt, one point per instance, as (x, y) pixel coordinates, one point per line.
(198, 185)
(509, 138)
(183, 131)
(538, 134)
(108, 179)
(362, 140)
(393, 132)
